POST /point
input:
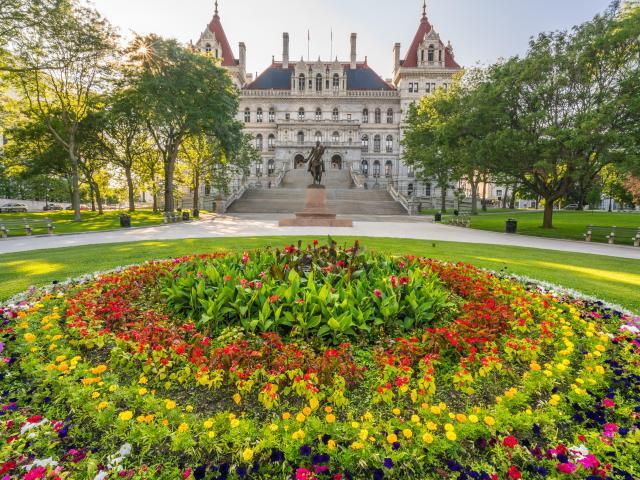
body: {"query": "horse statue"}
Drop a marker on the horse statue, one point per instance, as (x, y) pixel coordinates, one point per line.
(316, 165)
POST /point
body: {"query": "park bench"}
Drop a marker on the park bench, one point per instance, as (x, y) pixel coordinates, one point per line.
(29, 225)
(463, 219)
(610, 233)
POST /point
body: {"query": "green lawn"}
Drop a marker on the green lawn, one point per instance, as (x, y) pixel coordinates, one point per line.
(91, 221)
(567, 224)
(613, 279)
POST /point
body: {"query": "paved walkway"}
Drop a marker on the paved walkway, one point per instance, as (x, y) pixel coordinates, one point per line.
(255, 226)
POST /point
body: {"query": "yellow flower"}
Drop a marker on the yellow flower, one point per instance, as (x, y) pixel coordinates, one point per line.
(142, 391)
(189, 408)
(314, 403)
(600, 348)
(300, 417)
(126, 415)
(415, 418)
(140, 419)
(113, 388)
(396, 411)
(102, 405)
(357, 446)
(367, 417)
(29, 337)
(331, 418)
(143, 380)
(331, 445)
(407, 433)
(427, 438)
(451, 435)
(95, 395)
(273, 427)
(183, 428)
(247, 455)
(535, 366)
(435, 409)
(99, 369)
(392, 438)
(169, 404)
(448, 427)
(355, 425)
(148, 418)
(237, 398)
(286, 416)
(235, 423)
(461, 417)
(473, 418)
(600, 369)
(208, 424)
(165, 422)
(489, 421)
(299, 435)
(306, 411)
(328, 409)
(432, 426)
(364, 434)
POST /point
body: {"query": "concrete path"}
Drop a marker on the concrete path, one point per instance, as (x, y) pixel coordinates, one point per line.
(253, 226)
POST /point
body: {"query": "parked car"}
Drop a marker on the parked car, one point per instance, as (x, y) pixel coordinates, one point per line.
(573, 206)
(13, 208)
(50, 207)
(70, 207)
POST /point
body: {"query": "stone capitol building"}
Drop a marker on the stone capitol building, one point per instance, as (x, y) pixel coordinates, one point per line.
(345, 104)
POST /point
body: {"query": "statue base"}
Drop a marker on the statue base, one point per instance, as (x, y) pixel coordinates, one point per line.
(316, 213)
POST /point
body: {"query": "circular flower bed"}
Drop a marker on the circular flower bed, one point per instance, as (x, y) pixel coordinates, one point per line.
(316, 362)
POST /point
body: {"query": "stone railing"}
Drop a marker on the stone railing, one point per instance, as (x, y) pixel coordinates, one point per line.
(236, 193)
(408, 203)
(357, 177)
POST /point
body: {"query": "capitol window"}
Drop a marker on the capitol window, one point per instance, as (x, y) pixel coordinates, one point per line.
(318, 136)
(365, 116)
(335, 115)
(301, 114)
(335, 138)
(431, 53)
(336, 80)
(247, 115)
(318, 114)
(365, 143)
(390, 115)
(271, 142)
(388, 168)
(301, 82)
(259, 115)
(378, 116)
(259, 142)
(272, 115)
(300, 137)
(389, 144)
(377, 141)
(319, 82)
(207, 48)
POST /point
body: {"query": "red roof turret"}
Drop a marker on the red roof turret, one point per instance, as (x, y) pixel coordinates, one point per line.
(228, 59)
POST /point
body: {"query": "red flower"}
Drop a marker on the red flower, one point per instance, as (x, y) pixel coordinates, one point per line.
(377, 293)
(514, 473)
(510, 441)
(404, 280)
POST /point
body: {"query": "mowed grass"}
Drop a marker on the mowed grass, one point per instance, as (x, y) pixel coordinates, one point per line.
(567, 225)
(91, 221)
(616, 280)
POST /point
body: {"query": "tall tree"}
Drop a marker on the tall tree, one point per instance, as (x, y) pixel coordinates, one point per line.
(60, 77)
(184, 94)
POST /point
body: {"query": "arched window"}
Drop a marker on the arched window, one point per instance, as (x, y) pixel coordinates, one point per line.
(388, 168)
(377, 140)
(207, 48)
(300, 137)
(411, 172)
(319, 82)
(422, 56)
(271, 142)
(427, 190)
(365, 167)
(365, 116)
(334, 115)
(378, 116)
(335, 138)
(430, 56)
(318, 136)
(390, 115)
(259, 141)
(365, 143)
(389, 144)
(410, 190)
(259, 115)
(376, 168)
(272, 115)
(247, 115)
(271, 167)
(301, 113)
(336, 81)
(259, 169)
(301, 82)
(318, 114)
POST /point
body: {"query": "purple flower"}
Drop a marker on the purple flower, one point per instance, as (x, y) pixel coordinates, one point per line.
(305, 450)
(388, 463)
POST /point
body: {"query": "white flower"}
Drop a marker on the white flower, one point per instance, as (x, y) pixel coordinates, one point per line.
(101, 475)
(30, 426)
(125, 450)
(579, 452)
(46, 462)
(630, 329)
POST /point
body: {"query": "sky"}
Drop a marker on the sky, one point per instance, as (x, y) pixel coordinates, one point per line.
(481, 31)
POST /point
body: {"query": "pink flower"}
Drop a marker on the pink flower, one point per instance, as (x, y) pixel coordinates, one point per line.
(404, 280)
(377, 293)
(610, 429)
(589, 462)
(304, 474)
(567, 468)
(608, 403)
(34, 473)
(394, 281)
(186, 473)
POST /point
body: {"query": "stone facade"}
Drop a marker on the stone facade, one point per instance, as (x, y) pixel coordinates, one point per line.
(347, 106)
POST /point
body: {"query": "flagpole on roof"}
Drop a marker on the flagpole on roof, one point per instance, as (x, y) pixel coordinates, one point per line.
(308, 44)
(331, 56)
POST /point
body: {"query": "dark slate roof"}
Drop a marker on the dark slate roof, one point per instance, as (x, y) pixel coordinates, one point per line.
(277, 78)
(273, 78)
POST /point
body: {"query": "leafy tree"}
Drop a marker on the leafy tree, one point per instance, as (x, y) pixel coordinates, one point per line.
(184, 94)
(59, 78)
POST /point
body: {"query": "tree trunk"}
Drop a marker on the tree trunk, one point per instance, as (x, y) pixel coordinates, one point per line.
(92, 193)
(96, 190)
(443, 199)
(169, 170)
(196, 191)
(484, 195)
(512, 202)
(155, 201)
(505, 196)
(132, 200)
(75, 185)
(474, 198)
(548, 214)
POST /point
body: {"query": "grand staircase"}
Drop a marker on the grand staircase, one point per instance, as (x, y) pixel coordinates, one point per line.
(342, 198)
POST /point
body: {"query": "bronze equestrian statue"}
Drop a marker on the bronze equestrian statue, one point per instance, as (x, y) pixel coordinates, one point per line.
(316, 165)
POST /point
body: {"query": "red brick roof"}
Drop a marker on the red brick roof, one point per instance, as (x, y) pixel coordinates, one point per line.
(228, 59)
(411, 58)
